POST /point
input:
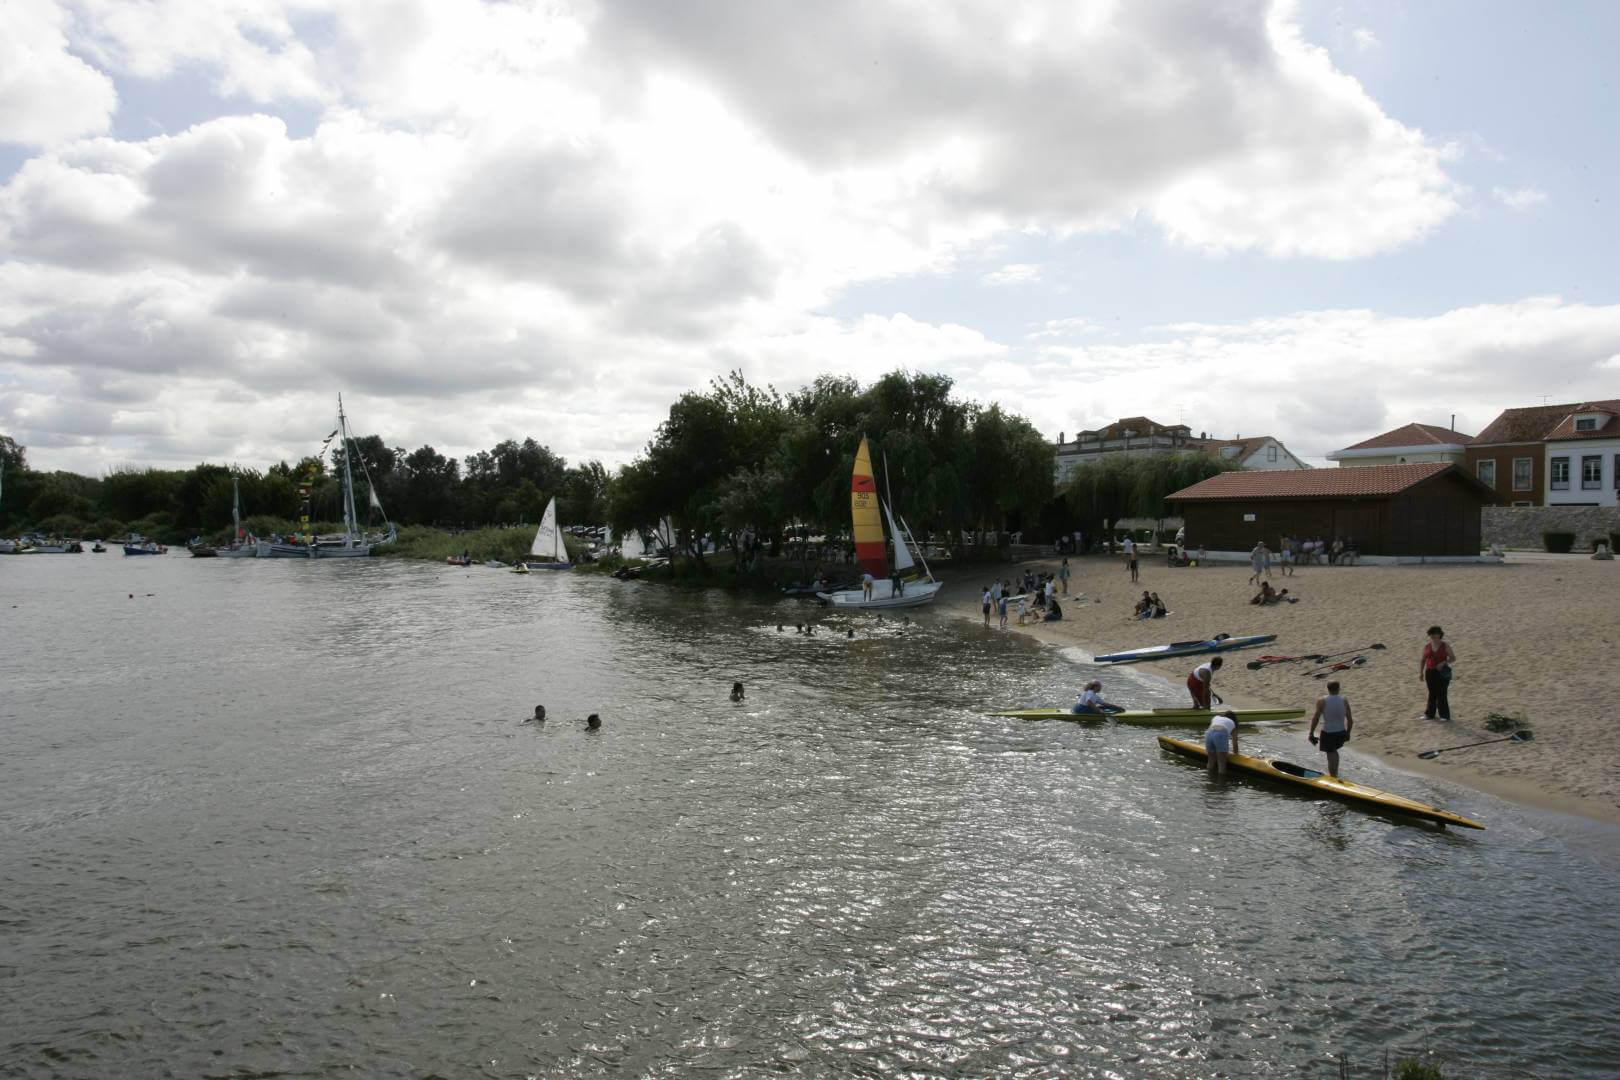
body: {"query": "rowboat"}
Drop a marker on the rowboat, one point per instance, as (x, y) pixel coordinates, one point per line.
(1286, 772)
(1218, 643)
(1157, 717)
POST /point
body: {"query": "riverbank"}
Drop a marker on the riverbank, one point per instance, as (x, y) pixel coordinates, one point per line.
(1531, 638)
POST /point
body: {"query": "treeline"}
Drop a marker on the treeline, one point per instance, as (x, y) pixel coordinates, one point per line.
(507, 484)
(733, 461)
(742, 460)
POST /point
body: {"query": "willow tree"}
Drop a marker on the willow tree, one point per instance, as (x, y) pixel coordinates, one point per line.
(1135, 485)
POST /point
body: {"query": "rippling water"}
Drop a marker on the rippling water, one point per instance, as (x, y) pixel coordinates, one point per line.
(281, 818)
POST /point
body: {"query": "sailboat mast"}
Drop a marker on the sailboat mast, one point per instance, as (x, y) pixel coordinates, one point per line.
(236, 505)
(349, 516)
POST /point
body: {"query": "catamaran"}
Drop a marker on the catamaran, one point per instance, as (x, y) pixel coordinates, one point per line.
(351, 543)
(547, 552)
(903, 588)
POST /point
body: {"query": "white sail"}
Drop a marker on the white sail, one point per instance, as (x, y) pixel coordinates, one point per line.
(548, 540)
(902, 550)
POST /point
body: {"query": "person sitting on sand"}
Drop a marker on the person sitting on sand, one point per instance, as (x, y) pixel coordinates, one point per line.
(1159, 610)
(1266, 595)
(539, 716)
(1144, 607)
(736, 691)
(1283, 598)
(1091, 703)
(1054, 612)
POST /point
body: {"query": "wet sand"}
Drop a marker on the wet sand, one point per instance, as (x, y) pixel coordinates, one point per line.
(1532, 637)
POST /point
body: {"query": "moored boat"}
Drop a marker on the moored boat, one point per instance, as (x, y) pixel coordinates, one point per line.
(1216, 644)
(1298, 776)
(352, 542)
(547, 551)
(137, 546)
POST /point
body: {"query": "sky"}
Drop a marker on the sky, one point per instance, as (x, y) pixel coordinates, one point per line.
(491, 220)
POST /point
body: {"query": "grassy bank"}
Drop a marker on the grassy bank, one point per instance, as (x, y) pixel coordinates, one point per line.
(437, 545)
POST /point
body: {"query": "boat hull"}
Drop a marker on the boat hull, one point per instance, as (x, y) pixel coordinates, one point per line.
(1297, 776)
(530, 564)
(1185, 648)
(246, 551)
(1158, 717)
(916, 594)
(128, 550)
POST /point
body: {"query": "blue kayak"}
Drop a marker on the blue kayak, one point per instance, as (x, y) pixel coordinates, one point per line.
(1218, 643)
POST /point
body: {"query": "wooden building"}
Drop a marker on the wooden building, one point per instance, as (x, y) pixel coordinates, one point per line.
(1429, 509)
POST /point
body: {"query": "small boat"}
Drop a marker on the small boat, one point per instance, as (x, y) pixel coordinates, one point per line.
(1157, 717)
(98, 549)
(1218, 643)
(902, 589)
(137, 546)
(58, 546)
(1286, 772)
(200, 550)
(458, 560)
(242, 545)
(547, 551)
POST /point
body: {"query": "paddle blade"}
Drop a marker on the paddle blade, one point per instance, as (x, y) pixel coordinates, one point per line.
(1255, 665)
(1429, 754)
(1375, 646)
(1523, 736)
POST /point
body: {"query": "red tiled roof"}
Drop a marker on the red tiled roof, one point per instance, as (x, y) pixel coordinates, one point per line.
(1608, 426)
(1414, 435)
(1367, 480)
(1534, 423)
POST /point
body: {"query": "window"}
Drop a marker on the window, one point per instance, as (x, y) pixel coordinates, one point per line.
(1591, 472)
(1559, 478)
(1586, 423)
(1522, 473)
(1487, 471)
(1271, 453)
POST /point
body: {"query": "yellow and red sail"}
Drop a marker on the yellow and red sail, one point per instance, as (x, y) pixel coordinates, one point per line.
(870, 550)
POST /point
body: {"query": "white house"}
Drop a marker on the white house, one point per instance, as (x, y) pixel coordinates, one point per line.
(1414, 444)
(1583, 458)
(1260, 452)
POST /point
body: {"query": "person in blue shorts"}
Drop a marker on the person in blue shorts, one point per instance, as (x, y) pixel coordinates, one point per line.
(1091, 703)
(1220, 740)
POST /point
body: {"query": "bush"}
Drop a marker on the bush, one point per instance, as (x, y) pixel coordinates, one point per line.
(1559, 543)
(1614, 542)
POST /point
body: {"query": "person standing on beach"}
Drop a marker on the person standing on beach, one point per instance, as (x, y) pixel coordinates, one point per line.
(1259, 559)
(1435, 671)
(986, 601)
(1285, 557)
(1220, 741)
(1001, 608)
(1063, 575)
(1333, 710)
(1201, 683)
(1129, 547)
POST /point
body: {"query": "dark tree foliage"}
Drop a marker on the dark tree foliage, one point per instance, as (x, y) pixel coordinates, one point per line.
(1120, 485)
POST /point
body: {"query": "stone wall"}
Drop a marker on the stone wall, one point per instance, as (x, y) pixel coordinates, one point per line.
(1521, 526)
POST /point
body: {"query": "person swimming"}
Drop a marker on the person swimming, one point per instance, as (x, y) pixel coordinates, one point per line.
(850, 632)
(736, 691)
(593, 723)
(539, 716)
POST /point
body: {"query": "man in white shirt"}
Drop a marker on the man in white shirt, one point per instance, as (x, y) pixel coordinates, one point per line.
(1220, 740)
(1201, 683)
(1333, 711)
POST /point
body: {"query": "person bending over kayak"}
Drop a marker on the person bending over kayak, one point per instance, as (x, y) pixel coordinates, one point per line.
(1333, 710)
(1201, 683)
(1220, 740)
(1091, 703)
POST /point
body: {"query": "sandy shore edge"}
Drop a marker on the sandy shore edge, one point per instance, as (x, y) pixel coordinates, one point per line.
(1571, 769)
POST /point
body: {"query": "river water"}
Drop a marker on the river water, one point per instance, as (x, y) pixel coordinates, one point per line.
(281, 819)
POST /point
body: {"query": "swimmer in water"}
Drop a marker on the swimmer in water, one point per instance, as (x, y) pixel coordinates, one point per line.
(539, 716)
(593, 723)
(736, 691)
(850, 632)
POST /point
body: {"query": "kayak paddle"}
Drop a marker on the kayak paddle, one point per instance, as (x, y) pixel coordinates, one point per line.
(1517, 736)
(1346, 665)
(1256, 665)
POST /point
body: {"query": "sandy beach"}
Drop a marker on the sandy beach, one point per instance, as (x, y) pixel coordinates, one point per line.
(1532, 636)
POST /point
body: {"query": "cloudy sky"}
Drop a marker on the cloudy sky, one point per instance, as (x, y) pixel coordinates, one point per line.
(482, 220)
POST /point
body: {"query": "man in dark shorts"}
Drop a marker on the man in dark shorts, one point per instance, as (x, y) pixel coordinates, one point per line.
(1333, 712)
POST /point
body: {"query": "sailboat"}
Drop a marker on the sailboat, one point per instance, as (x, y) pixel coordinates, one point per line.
(351, 543)
(870, 553)
(242, 545)
(547, 552)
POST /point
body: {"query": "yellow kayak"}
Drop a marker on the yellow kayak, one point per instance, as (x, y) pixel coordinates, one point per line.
(1156, 717)
(1286, 772)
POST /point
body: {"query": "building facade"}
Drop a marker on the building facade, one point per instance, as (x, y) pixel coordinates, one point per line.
(1514, 454)
(1135, 435)
(1583, 457)
(1429, 509)
(1413, 444)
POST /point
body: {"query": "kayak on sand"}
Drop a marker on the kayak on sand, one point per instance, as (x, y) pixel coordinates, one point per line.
(1286, 772)
(1218, 643)
(1156, 717)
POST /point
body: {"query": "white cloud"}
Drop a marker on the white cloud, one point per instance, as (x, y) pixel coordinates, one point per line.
(1365, 39)
(46, 93)
(1519, 198)
(1013, 274)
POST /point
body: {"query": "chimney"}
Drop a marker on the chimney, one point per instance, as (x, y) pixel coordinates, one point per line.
(1060, 438)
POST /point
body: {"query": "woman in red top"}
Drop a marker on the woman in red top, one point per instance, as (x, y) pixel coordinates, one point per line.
(1435, 671)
